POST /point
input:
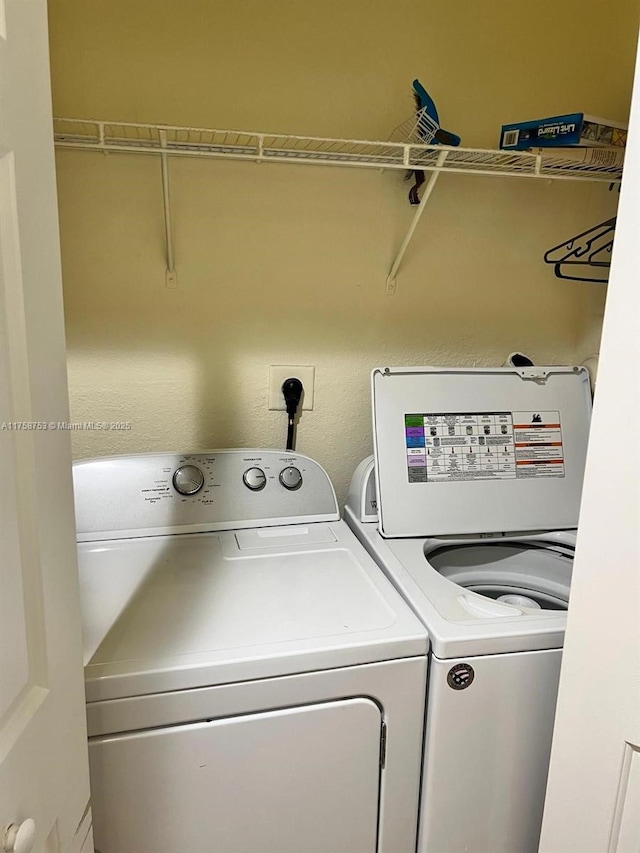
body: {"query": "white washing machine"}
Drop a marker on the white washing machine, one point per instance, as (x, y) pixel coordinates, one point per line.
(470, 508)
(253, 681)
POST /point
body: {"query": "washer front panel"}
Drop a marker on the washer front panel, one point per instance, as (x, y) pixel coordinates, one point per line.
(488, 740)
(464, 451)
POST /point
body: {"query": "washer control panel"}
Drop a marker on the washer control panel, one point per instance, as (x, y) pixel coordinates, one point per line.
(156, 494)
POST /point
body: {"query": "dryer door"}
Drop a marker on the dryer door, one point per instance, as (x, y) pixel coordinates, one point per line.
(304, 778)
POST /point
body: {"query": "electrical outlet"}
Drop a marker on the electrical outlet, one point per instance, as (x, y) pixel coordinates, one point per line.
(277, 375)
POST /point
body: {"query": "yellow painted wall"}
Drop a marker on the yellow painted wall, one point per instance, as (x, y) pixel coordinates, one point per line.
(287, 265)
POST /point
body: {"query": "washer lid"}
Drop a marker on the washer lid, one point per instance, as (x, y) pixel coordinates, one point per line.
(479, 450)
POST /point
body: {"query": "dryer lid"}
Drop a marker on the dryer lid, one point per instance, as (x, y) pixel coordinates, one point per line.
(479, 450)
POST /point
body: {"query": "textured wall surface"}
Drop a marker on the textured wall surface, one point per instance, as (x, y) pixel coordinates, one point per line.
(284, 265)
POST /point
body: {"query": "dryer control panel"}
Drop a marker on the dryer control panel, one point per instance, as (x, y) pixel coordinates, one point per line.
(156, 494)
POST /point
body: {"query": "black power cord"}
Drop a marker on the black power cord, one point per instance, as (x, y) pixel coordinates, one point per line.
(292, 391)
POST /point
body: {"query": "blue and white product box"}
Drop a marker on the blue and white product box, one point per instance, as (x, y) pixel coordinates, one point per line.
(569, 129)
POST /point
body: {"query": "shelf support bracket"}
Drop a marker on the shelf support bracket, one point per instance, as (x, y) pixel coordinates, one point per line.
(435, 174)
(171, 277)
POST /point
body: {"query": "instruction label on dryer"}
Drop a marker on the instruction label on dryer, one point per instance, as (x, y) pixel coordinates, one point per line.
(453, 446)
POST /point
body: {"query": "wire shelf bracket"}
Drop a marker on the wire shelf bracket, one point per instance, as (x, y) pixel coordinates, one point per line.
(169, 140)
(171, 277)
(392, 284)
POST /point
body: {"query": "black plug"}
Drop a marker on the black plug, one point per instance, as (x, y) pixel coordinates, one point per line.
(292, 392)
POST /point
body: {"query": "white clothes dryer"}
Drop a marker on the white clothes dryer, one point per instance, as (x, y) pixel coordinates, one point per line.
(470, 506)
(253, 681)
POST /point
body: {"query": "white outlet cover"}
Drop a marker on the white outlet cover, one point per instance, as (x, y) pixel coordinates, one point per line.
(277, 375)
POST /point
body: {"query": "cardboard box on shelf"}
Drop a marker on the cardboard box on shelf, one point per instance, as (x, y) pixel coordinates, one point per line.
(564, 130)
(607, 157)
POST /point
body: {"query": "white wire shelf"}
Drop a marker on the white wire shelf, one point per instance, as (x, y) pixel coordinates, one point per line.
(409, 155)
(280, 148)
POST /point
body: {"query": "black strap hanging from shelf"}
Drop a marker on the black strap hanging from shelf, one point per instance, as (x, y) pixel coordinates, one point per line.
(581, 257)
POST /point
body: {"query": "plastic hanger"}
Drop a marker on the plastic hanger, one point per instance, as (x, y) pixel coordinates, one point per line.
(580, 257)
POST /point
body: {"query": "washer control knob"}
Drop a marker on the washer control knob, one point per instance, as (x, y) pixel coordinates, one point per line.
(188, 480)
(291, 478)
(19, 837)
(254, 479)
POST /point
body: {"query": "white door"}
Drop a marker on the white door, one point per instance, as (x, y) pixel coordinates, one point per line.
(593, 794)
(44, 788)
